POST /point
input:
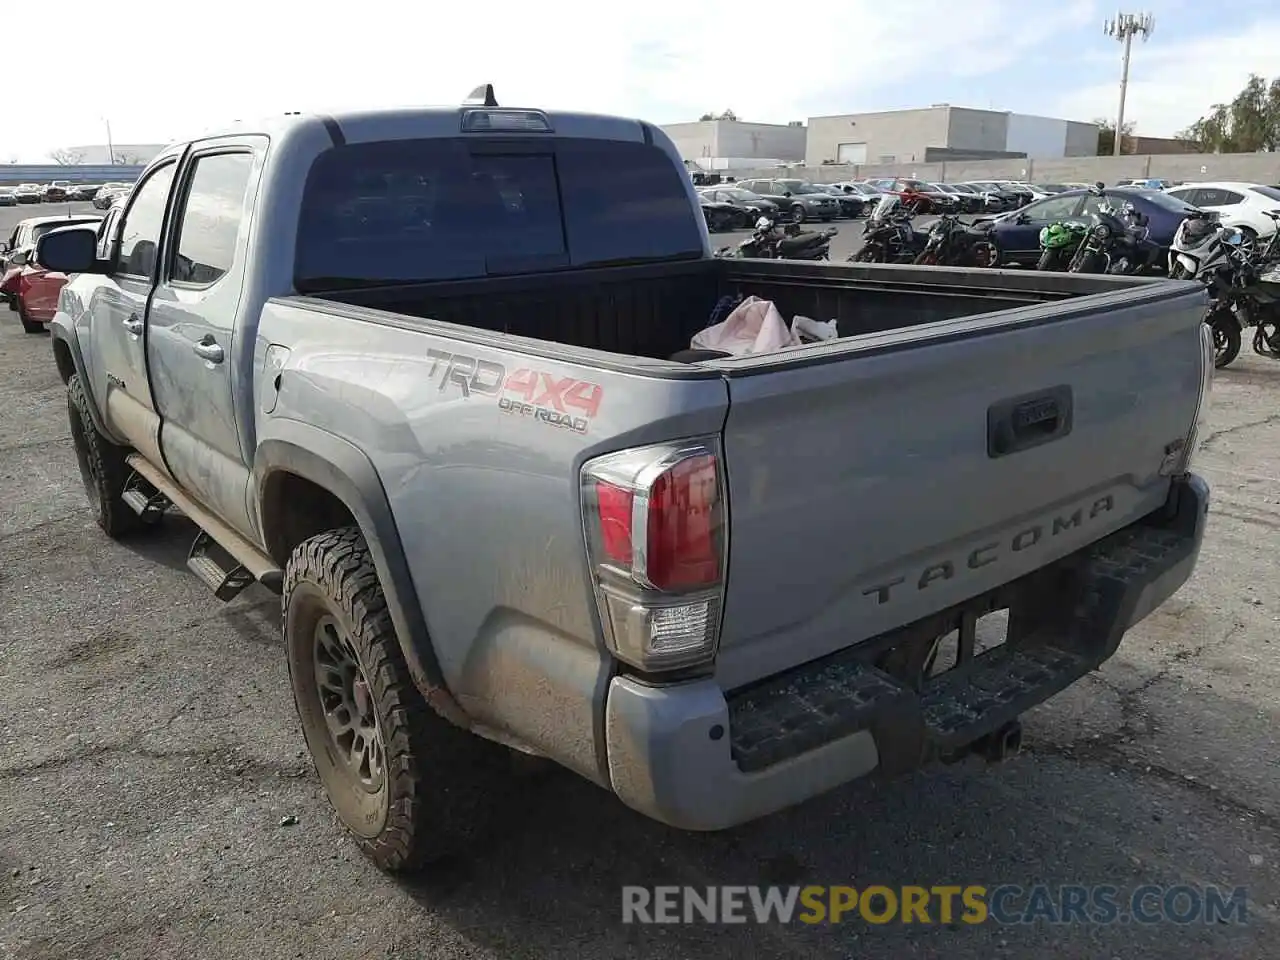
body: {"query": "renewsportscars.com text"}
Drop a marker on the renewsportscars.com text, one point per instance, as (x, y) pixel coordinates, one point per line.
(971, 904)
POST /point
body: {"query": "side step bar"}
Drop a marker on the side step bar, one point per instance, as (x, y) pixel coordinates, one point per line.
(223, 560)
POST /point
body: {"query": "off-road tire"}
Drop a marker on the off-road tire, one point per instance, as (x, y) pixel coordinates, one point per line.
(439, 781)
(102, 467)
(28, 325)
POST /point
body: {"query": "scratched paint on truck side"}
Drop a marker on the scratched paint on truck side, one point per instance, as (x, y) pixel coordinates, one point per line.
(564, 402)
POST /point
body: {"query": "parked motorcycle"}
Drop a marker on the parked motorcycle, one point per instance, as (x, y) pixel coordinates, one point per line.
(1243, 280)
(888, 236)
(767, 242)
(952, 243)
(1118, 242)
(1059, 242)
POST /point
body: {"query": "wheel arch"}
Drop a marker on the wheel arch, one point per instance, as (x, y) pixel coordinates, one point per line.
(304, 476)
(70, 362)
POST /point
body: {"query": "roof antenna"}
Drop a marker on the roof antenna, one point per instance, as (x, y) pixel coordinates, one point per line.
(481, 96)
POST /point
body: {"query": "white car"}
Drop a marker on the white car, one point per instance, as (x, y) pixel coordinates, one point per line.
(1237, 204)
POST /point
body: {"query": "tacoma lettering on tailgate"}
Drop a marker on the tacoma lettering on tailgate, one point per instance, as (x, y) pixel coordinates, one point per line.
(565, 402)
(988, 553)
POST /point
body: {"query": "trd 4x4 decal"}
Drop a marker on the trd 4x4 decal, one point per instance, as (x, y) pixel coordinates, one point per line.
(565, 402)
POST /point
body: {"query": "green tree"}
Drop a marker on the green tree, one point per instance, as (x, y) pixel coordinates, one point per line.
(1250, 123)
(1107, 137)
(726, 115)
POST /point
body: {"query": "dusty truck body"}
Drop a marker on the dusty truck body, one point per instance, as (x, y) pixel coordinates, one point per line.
(410, 370)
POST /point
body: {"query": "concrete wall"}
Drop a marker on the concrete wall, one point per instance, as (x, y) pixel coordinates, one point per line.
(735, 138)
(1249, 167)
(903, 134)
(693, 140)
(1037, 137)
(976, 130)
(1082, 139)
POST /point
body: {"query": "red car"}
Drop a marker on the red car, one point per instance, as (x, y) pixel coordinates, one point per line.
(32, 291)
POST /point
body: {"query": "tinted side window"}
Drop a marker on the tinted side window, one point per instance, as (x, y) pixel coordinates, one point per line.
(210, 219)
(1052, 209)
(140, 235)
(1183, 195)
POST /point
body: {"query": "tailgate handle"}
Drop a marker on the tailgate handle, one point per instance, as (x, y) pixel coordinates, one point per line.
(1029, 420)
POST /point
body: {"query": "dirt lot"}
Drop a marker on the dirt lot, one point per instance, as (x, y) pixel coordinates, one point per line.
(151, 767)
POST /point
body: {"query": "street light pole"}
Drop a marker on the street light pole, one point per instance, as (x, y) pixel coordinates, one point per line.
(1124, 27)
(111, 149)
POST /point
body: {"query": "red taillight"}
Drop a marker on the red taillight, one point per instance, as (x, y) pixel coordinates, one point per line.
(655, 519)
(682, 552)
(613, 508)
(676, 547)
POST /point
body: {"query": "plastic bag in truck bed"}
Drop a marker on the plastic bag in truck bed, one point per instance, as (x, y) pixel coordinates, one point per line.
(756, 326)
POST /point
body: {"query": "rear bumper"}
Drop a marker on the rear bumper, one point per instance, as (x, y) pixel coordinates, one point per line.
(686, 755)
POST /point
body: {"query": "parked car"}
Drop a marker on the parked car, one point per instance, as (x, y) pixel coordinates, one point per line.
(1146, 183)
(721, 216)
(83, 191)
(918, 195)
(1003, 196)
(1237, 204)
(870, 195)
(56, 192)
(7, 197)
(108, 193)
(966, 202)
(799, 198)
(851, 205)
(1018, 232)
(987, 201)
(1051, 188)
(536, 522)
(29, 193)
(24, 283)
(751, 206)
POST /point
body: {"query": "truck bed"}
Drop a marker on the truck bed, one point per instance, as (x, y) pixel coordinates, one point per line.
(653, 310)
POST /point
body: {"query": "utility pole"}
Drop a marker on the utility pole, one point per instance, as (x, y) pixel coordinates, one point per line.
(111, 149)
(1124, 28)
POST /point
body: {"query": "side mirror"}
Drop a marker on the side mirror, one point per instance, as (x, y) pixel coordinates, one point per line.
(4, 246)
(787, 193)
(70, 250)
(19, 259)
(1022, 217)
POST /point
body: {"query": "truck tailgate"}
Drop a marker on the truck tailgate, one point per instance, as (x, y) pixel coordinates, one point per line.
(879, 479)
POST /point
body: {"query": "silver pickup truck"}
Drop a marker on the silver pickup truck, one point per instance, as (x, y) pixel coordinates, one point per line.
(425, 373)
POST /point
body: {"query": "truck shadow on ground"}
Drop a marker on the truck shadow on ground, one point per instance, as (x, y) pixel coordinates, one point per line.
(549, 877)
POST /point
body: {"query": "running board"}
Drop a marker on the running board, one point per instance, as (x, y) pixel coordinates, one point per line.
(141, 497)
(223, 560)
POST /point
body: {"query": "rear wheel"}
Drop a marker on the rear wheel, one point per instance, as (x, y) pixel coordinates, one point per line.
(408, 784)
(29, 325)
(1226, 339)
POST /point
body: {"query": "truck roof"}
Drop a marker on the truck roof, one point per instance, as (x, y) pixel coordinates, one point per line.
(363, 126)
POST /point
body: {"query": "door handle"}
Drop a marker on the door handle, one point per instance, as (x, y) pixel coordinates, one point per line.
(134, 325)
(206, 348)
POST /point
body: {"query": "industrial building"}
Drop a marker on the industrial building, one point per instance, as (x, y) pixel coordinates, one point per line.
(943, 132)
(716, 144)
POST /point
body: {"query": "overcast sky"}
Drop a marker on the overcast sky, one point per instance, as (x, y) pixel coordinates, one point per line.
(166, 71)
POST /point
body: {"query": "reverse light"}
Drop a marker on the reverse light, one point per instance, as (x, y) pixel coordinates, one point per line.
(655, 531)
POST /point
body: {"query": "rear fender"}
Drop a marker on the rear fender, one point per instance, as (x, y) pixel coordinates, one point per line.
(343, 469)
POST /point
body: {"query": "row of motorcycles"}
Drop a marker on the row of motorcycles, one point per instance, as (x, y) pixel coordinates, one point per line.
(1242, 276)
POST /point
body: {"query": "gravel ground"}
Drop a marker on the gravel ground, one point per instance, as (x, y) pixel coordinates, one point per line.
(155, 800)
